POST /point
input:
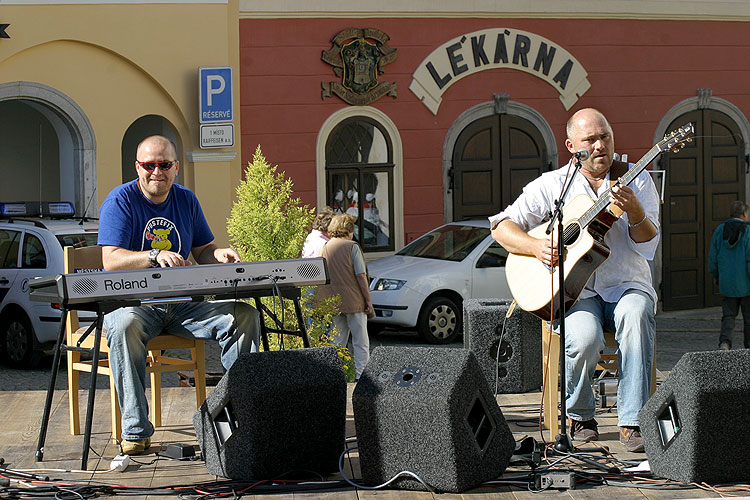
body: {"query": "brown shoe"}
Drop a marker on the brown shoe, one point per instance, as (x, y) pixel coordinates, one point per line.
(631, 438)
(135, 446)
(584, 430)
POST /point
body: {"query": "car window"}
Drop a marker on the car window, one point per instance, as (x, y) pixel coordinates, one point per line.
(452, 242)
(9, 240)
(77, 240)
(32, 254)
(494, 256)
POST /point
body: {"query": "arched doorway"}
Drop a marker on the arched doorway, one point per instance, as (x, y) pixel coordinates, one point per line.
(701, 182)
(494, 158)
(524, 147)
(48, 147)
(490, 153)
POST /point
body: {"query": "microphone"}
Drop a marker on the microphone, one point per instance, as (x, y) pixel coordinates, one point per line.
(582, 154)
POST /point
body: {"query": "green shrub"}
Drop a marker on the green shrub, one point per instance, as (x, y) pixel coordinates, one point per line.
(266, 223)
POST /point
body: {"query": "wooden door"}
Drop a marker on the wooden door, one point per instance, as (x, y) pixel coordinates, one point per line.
(702, 180)
(493, 159)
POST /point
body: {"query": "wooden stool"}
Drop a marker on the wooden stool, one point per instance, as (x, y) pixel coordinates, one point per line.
(551, 363)
(77, 259)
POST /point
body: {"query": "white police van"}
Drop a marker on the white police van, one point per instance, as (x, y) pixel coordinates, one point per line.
(32, 237)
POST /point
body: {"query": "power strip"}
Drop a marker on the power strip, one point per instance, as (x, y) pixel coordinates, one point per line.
(120, 462)
(560, 480)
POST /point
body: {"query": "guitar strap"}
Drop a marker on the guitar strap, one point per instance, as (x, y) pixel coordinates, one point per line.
(616, 171)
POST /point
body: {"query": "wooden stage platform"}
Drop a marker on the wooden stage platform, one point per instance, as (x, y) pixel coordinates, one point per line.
(21, 410)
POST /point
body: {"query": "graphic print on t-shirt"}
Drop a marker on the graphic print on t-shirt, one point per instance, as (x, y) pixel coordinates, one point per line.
(161, 233)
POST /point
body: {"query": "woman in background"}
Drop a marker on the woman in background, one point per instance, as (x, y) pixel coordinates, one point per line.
(346, 267)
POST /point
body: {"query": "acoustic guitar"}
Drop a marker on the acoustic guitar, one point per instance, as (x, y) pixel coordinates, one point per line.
(535, 285)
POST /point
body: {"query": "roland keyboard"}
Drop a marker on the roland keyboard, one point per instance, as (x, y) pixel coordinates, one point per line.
(204, 281)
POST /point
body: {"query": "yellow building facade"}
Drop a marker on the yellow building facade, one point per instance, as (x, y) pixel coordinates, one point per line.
(82, 83)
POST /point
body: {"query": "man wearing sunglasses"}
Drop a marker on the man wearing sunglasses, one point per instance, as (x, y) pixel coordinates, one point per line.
(153, 222)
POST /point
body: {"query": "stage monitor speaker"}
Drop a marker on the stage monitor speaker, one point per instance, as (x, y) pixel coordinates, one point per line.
(695, 425)
(429, 411)
(509, 350)
(273, 413)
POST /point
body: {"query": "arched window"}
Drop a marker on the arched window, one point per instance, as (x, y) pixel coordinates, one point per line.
(359, 180)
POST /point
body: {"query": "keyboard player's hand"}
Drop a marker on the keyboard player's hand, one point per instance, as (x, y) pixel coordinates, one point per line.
(171, 259)
(226, 255)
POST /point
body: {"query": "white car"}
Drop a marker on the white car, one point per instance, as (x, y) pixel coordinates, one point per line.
(424, 284)
(32, 237)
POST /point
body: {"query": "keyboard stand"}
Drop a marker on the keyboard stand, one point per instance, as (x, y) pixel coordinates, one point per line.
(101, 308)
(293, 295)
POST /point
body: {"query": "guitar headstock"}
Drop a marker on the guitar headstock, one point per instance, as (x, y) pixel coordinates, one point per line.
(677, 139)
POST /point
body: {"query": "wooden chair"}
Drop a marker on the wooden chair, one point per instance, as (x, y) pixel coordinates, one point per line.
(78, 259)
(551, 360)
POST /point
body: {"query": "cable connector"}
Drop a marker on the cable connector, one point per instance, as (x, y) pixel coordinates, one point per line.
(120, 462)
(561, 480)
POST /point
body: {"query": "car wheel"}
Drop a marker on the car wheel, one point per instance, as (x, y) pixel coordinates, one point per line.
(18, 342)
(440, 320)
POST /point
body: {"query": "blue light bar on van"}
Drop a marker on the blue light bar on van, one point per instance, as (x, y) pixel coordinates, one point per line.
(36, 209)
(58, 209)
(18, 208)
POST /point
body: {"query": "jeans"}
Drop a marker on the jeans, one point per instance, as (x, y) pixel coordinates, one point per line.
(632, 320)
(356, 324)
(236, 325)
(730, 306)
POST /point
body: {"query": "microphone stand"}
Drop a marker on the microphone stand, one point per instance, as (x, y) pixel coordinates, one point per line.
(562, 440)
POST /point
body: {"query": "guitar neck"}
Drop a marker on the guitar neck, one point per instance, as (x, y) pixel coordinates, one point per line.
(626, 179)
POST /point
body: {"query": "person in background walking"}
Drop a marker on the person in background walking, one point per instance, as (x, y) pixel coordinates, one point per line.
(729, 264)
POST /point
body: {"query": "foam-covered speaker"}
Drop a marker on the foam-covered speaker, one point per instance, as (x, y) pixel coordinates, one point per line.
(695, 425)
(429, 411)
(509, 350)
(273, 413)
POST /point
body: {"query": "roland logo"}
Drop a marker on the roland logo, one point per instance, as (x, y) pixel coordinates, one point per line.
(123, 284)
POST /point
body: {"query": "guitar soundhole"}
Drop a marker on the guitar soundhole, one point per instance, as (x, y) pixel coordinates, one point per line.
(571, 233)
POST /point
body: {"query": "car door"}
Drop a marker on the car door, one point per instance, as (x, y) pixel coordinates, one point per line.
(488, 272)
(9, 245)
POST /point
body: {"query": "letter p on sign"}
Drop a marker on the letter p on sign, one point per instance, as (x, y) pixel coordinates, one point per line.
(216, 85)
(215, 94)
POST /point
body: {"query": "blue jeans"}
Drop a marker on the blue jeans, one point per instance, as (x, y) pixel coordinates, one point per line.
(236, 325)
(730, 306)
(632, 320)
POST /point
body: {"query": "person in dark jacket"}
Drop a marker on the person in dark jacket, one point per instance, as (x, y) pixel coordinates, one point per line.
(729, 264)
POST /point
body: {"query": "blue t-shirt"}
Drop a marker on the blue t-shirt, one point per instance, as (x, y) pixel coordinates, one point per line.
(127, 219)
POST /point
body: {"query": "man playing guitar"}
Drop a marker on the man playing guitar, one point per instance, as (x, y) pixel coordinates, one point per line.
(619, 296)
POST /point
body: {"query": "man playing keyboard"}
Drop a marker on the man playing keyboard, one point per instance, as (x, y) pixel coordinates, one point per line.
(153, 222)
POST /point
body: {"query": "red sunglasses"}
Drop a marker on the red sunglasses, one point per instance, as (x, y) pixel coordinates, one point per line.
(151, 165)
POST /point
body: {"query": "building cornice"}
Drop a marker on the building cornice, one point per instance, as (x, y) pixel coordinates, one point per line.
(687, 10)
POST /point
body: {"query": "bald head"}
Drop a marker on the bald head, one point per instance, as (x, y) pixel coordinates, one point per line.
(583, 116)
(156, 143)
(588, 129)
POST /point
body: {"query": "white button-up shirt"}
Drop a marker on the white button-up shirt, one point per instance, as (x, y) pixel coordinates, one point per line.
(627, 266)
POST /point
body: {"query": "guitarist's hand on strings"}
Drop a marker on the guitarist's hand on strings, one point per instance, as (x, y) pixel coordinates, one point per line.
(516, 240)
(546, 250)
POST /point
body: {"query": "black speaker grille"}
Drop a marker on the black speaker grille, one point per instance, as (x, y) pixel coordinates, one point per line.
(480, 423)
(308, 270)
(84, 286)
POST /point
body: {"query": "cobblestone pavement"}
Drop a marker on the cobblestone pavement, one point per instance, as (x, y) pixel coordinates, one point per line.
(676, 333)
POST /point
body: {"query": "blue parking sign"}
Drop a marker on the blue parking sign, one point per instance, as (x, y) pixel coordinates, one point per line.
(215, 94)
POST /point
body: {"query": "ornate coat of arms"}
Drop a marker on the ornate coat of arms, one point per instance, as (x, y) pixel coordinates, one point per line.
(358, 56)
